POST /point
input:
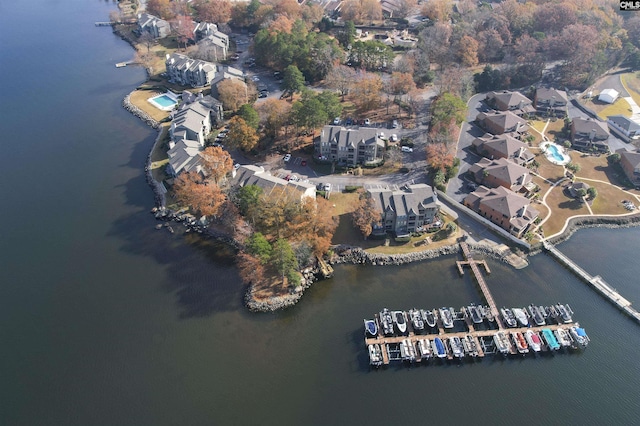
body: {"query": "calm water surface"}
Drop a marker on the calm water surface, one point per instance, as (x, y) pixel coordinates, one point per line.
(104, 320)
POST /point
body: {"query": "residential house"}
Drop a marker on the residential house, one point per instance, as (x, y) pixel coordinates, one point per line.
(551, 102)
(588, 134)
(498, 123)
(502, 172)
(576, 187)
(630, 163)
(271, 185)
(158, 28)
(503, 146)
(515, 102)
(405, 210)
(185, 71)
(184, 155)
(629, 127)
(193, 121)
(212, 40)
(349, 147)
(503, 207)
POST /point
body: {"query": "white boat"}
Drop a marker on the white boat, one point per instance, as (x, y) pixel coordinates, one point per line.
(446, 317)
(407, 350)
(520, 342)
(470, 346)
(424, 347)
(387, 322)
(429, 318)
(375, 355)
(579, 336)
(456, 347)
(400, 320)
(502, 342)
(534, 341)
(474, 313)
(521, 316)
(564, 338)
(416, 319)
(508, 317)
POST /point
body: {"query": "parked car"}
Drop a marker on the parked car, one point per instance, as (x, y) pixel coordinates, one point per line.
(367, 122)
(236, 166)
(263, 94)
(327, 187)
(394, 124)
(336, 120)
(287, 158)
(406, 149)
(393, 138)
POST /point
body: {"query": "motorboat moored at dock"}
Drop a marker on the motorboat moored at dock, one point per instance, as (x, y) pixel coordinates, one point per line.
(502, 342)
(387, 322)
(424, 347)
(456, 347)
(520, 342)
(400, 320)
(474, 313)
(579, 336)
(536, 315)
(563, 337)
(438, 348)
(375, 355)
(416, 319)
(564, 313)
(446, 317)
(533, 340)
(371, 327)
(521, 316)
(550, 339)
(429, 318)
(407, 350)
(508, 317)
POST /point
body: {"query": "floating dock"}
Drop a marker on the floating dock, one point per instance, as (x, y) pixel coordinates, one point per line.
(483, 338)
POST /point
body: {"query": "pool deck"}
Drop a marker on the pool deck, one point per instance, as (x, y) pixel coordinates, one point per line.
(152, 100)
(551, 157)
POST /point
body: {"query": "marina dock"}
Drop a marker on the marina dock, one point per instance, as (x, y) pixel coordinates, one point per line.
(484, 331)
(596, 282)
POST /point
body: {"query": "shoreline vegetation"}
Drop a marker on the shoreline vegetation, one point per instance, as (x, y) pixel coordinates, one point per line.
(260, 301)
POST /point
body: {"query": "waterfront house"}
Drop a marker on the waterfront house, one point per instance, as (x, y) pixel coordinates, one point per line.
(271, 185)
(588, 134)
(185, 71)
(184, 155)
(349, 147)
(404, 210)
(505, 208)
(158, 28)
(629, 127)
(551, 102)
(194, 120)
(630, 163)
(501, 122)
(503, 146)
(506, 100)
(501, 172)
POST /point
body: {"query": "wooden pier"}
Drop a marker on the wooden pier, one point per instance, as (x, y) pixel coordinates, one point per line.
(596, 282)
(483, 285)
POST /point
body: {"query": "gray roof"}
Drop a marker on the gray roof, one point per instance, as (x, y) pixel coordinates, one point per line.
(503, 119)
(404, 202)
(256, 175)
(633, 158)
(185, 156)
(509, 99)
(350, 137)
(587, 125)
(544, 94)
(625, 123)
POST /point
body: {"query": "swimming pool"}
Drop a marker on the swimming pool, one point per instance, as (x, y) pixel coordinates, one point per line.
(165, 102)
(554, 154)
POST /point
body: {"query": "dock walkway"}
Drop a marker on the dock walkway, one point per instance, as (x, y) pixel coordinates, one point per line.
(596, 282)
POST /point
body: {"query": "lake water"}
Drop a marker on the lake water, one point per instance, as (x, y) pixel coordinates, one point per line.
(106, 321)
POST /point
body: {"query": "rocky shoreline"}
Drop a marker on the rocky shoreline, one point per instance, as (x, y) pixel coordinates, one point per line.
(126, 103)
(272, 304)
(576, 224)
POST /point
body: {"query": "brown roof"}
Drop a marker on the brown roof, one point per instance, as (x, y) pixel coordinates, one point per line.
(504, 119)
(505, 145)
(504, 201)
(507, 100)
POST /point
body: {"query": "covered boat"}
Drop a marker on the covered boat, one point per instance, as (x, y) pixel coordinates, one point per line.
(438, 348)
(371, 327)
(521, 316)
(579, 336)
(550, 339)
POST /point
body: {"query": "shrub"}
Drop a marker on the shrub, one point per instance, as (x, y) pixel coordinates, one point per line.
(403, 239)
(351, 188)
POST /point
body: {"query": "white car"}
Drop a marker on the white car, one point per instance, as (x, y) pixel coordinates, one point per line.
(287, 158)
(327, 187)
(367, 122)
(236, 166)
(255, 78)
(393, 138)
(406, 149)
(336, 120)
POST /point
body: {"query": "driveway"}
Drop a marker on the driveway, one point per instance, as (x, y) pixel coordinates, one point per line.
(457, 187)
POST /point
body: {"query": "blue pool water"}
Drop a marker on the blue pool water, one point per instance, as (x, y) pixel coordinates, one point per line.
(164, 101)
(555, 153)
